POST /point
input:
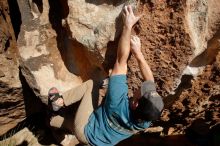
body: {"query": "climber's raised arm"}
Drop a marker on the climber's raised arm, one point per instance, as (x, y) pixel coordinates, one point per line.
(129, 19)
(144, 67)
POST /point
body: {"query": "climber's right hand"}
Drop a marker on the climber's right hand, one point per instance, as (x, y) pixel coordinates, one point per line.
(128, 16)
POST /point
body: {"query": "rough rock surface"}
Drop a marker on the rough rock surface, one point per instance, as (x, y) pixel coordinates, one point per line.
(167, 32)
(58, 38)
(165, 44)
(12, 109)
(91, 24)
(41, 61)
(21, 138)
(199, 100)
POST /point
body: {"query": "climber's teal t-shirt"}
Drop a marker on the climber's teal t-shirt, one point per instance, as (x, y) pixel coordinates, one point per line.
(112, 122)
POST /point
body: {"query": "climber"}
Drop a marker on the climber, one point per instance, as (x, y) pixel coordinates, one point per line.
(119, 117)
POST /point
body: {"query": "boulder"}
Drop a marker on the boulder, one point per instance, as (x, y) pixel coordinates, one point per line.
(40, 59)
(62, 43)
(95, 23)
(177, 38)
(11, 104)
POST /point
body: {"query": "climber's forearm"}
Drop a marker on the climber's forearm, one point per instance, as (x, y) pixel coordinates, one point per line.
(123, 51)
(124, 46)
(144, 67)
